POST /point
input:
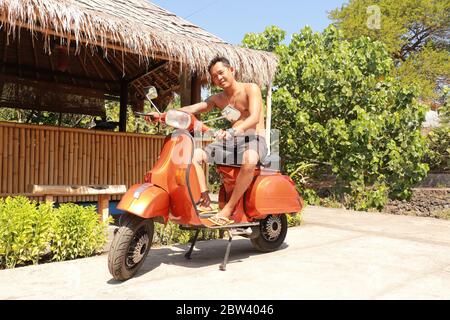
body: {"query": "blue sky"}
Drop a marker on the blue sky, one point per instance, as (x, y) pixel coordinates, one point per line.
(231, 19)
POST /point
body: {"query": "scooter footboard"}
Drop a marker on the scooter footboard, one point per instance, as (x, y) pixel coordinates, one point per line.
(146, 201)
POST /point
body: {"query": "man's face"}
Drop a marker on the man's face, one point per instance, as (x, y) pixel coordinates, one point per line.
(221, 75)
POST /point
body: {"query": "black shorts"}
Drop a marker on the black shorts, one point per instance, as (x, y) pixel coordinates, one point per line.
(230, 152)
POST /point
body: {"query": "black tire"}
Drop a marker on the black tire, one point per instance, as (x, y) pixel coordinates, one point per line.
(130, 246)
(272, 232)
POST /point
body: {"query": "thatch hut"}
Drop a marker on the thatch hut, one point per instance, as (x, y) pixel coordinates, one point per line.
(71, 55)
(105, 47)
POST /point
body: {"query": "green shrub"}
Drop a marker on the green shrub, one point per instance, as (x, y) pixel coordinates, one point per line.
(309, 196)
(294, 220)
(439, 149)
(77, 232)
(32, 232)
(25, 231)
(438, 140)
(331, 202)
(363, 198)
(171, 234)
(441, 214)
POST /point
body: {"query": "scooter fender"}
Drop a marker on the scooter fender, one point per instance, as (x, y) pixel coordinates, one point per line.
(272, 194)
(146, 201)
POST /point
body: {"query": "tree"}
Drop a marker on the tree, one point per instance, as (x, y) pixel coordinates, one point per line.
(416, 34)
(438, 156)
(44, 117)
(268, 40)
(134, 124)
(340, 110)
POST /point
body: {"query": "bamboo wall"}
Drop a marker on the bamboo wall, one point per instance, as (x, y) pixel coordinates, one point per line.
(31, 154)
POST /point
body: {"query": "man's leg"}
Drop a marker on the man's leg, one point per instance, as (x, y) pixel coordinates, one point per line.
(243, 181)
(200, 157)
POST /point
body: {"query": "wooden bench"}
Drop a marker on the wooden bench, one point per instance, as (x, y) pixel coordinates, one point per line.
(104, 192)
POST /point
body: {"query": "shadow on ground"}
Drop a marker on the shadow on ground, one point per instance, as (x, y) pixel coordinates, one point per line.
(206, 253)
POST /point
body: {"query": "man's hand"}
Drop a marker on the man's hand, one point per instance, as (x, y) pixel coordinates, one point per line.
(222, 134)
(152, 117)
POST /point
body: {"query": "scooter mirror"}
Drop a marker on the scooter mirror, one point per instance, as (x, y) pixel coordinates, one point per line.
(178, 119)
(151, 93)
(231, 114)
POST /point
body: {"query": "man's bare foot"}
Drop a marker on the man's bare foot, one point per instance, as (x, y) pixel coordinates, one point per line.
(205, 202)
(226, 212)
(223, 217)
(220, 221)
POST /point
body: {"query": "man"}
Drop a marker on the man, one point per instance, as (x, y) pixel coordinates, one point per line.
(246, 137)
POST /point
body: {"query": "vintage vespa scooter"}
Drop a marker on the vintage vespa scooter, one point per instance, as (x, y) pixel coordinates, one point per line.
(171, 191)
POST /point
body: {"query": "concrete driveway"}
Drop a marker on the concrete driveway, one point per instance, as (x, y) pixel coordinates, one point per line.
(335, 254)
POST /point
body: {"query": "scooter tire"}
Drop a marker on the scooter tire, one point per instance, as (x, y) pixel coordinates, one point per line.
(264, 242)
(120, 246)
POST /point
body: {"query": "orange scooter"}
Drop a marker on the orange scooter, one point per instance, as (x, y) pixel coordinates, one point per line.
(171, 192)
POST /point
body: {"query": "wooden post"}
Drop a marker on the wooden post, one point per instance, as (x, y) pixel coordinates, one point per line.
(185, 88)
(268, 115)
(196, 89)
(123, 106)
(103, 207)
(196, 97)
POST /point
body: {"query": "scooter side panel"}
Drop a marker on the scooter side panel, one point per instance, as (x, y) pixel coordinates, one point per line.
(146, 201)
(181, 208)
(178, 178)
(160, 171)
(271, 195)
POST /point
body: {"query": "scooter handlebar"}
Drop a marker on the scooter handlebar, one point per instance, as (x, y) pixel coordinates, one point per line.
(198, 125)
(152, 117)
(155, 117)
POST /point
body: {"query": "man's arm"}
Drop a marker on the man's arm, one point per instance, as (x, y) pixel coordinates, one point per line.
(200, 107)
(254, 107)
(196, 108)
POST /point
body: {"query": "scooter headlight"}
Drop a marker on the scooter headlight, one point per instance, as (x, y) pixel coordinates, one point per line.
(178, 119)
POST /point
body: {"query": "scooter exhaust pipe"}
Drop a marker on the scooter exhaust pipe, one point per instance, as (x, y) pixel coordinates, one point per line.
(249, 232)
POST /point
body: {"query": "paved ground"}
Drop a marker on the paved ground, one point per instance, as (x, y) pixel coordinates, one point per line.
(335, 254)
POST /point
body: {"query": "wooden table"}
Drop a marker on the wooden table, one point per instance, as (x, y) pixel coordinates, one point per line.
(104, 192)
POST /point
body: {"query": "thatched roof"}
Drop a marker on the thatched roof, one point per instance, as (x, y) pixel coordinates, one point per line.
(134, 26)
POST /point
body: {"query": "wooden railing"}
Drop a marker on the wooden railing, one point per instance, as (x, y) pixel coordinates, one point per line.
(31, 154)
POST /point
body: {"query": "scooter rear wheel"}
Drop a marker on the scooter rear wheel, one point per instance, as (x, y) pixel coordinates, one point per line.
(272, 232)
(130, 246)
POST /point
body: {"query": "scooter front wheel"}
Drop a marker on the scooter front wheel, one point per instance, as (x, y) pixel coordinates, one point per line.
(130, 246)
(272, 232)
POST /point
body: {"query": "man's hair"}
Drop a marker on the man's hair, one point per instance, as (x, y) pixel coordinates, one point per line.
(224, 61)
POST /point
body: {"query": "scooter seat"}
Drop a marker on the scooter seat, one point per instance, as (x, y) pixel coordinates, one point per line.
(269, 163)
(265, 163)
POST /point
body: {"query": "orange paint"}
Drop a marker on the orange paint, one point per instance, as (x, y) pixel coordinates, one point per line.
(271, 193)
(146, 201)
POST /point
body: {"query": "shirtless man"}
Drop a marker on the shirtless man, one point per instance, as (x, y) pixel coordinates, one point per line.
(246, 136)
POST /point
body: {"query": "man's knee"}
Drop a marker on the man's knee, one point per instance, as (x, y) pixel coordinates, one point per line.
(248, 168)
(250, 159)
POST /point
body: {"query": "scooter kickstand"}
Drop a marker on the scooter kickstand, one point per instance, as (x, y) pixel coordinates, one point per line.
(223, 266)
(188, 254)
